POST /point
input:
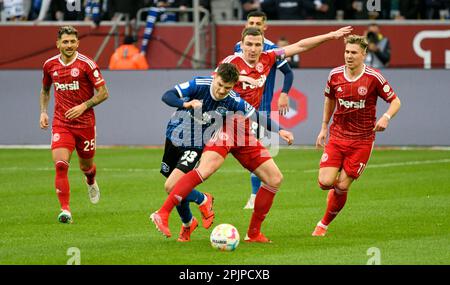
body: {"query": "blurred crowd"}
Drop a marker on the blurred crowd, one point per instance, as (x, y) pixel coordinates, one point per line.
(103, 10)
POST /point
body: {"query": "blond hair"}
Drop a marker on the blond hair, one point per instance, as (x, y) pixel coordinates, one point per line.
(358, 40)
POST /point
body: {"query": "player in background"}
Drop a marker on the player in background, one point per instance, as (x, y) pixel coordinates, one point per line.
(351, 96)
(258, 20)
(74, 76)
(217, 97)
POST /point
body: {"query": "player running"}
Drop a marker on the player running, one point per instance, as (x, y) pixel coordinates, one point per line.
(351, 97)
(74, 76)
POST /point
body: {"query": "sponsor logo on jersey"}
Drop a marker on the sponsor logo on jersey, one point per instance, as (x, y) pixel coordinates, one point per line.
(259, 67)
(56, 137)
(74, 72)
(386, 88)
(339, 89)
(248, 107)
(362, 90)
(261, 81)
(75, 85)
(96, 73)
(222, 111)
(243, 71)
(55, 73)
(361, 104)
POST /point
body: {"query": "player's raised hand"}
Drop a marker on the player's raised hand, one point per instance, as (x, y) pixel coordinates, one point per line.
(342, 32)
(283, 104)
(76, 111)
(322, 138)
(43, 121)
(287, 136)
(193, 104)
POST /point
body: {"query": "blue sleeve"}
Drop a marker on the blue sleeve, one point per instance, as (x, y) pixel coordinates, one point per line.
(288, 77)
(187, 90)
(237, 47)
(172, 99)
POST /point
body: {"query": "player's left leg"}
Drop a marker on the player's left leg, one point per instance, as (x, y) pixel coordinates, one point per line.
(210, 163)
(271, 178)
(85, 146)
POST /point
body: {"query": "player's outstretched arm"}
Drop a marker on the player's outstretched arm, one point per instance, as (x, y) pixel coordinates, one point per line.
(312, 42)
(383, 122)
(43, 100)
(75, 112)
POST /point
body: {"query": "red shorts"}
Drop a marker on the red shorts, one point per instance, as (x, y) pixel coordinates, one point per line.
(250, 154)
(83, 140)
(352, 156)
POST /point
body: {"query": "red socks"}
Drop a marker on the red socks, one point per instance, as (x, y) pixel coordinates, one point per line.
(62, 184)
(181, 190)
(90, 175)
(263, 203)
(336, 201)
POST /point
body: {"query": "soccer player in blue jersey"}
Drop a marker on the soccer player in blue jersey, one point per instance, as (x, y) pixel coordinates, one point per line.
(258, 19)
(201, 103)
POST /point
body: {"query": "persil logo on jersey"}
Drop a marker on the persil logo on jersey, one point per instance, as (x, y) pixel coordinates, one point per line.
(75, 85)
(260, 83)
(352, 104)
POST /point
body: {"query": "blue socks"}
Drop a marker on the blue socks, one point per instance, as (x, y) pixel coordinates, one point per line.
(184, 210)
(256, 183)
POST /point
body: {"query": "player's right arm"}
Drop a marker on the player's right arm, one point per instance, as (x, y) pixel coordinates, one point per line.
(44, 100)
(174, 97)
(328, 109)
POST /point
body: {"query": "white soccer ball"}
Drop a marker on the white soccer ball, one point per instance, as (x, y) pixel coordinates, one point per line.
(225, 237)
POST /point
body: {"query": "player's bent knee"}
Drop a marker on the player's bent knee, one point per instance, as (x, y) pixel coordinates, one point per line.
(168, 187)
(61, 165)
(276, 180)
(325, 185)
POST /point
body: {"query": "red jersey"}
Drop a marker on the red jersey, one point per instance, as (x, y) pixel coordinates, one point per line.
(355, 113)
(251, 93)
(74, 84)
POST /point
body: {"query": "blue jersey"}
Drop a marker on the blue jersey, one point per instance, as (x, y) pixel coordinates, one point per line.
(193, 128)
(270, 81)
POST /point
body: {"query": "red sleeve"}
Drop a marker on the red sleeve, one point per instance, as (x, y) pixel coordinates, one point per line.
(46, 78)
(385, 91)
(272, 57)
(95, 76)
(329, 89)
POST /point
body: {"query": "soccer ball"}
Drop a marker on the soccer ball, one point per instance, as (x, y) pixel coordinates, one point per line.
(225, 237)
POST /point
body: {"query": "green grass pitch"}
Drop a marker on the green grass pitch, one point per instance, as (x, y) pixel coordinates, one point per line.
(400, 206)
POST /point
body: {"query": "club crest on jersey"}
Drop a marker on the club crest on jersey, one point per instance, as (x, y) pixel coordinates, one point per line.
(362, 90)
(259, 67)
(56, 137)
(74, 72)
(324, 157)
(164, 167)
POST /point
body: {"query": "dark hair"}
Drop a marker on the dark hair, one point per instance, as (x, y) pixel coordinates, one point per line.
(251, 31)
(129, 40)
(257, 14)
(68, 30)
(228, 72)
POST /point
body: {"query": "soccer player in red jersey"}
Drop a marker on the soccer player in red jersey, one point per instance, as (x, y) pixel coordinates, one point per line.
(254, 65)
(74, 76)
(351, 96)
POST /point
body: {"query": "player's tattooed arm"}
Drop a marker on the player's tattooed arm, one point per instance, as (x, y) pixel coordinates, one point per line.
(75, 112)
(44, 100)
(102, 95)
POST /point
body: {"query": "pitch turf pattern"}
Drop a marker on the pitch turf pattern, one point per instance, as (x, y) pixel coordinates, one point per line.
(399, 206)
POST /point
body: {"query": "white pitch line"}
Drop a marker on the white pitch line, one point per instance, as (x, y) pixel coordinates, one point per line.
(239, 170)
